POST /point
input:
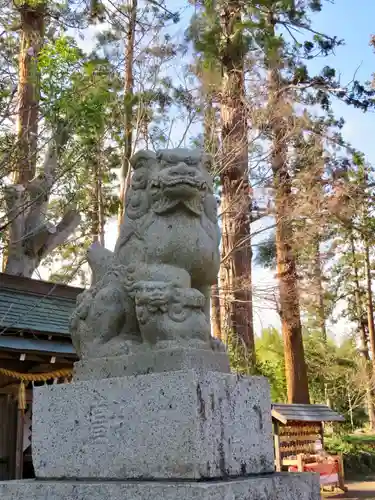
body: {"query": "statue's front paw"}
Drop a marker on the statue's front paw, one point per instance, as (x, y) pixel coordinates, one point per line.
(217, 345)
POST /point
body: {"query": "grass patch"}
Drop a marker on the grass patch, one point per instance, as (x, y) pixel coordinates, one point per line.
(359, 438)
(358, 454)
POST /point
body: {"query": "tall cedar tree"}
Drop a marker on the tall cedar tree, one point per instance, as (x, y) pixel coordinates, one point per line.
(136, 30)
(351, 274)
(275, 27)
(30, 237)
(211, 146)
(360, 316)
(216, 35)
(364, 224)
(272, 25)
(295, 366)
(264, 27)
(308, 167)
(235, 270)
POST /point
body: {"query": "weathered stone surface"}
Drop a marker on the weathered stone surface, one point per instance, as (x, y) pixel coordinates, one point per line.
(155, 287)
(177, 425)
(272, 487)
(151, 361)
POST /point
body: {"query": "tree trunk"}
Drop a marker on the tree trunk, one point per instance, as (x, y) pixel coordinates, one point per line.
(363, 338)
(31, 236)
(97, 210)
(101, 213)
(94, 215)
(370, 306)
(235, 270)
(28, 95)
(320, 305)
(4, 254)
(318, 278)
(215, 311)
(295, 365)
(128, 103)
(211, 146)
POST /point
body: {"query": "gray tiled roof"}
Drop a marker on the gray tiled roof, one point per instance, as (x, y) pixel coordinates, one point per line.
(31, 312)
(305, 413)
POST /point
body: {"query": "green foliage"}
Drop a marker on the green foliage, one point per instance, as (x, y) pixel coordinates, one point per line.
(238, 355)
(329, 369)
(332, 370)
(358, 453)
(266, 253)
(270, 362)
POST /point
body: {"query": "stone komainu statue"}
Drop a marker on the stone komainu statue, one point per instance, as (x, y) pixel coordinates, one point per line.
(154, 289)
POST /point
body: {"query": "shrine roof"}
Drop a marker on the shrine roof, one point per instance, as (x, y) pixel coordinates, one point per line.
(34, 306)
(285, 413)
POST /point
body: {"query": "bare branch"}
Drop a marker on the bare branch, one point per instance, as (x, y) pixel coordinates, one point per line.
(63, 230)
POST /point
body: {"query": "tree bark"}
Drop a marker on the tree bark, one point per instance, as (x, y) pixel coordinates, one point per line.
(97, 208)
(320, 305)
(215, 312)
(128, 111)
(370, 306)
(31, 237)
(235, 270)
(371, 335)
(211, 146)
(295, 365)
(318, 277)
(363, 338)
(28, 95)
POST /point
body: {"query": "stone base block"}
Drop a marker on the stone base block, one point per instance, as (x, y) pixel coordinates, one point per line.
(298, 486)
(176, 425)
(151, 361)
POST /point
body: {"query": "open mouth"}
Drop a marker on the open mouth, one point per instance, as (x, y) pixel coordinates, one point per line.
(170, 182)
(156, 301)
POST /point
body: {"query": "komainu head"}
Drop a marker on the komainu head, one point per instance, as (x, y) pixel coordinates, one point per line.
(181, 180)
(169, 179)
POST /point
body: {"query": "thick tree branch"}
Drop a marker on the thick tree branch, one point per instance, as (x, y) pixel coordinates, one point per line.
(14, 199)
(32, 236)
(59, 234)
(39, 189)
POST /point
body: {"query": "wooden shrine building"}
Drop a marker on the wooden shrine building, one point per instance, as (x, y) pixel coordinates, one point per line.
(35, 348)
(299, 441)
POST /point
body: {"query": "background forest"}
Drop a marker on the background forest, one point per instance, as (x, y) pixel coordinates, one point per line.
(261, 86)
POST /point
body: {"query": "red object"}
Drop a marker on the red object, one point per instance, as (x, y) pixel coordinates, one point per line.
(328, 471)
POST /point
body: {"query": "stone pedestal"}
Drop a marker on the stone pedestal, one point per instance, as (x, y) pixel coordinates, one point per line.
(167, 435)
(272, 487)
(174, 425)
(151, 361)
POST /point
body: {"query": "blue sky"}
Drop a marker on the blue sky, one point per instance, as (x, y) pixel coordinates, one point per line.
(356, 57)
